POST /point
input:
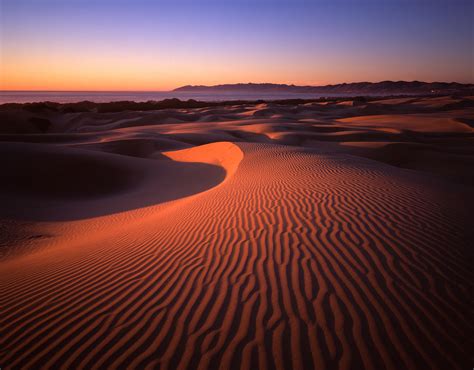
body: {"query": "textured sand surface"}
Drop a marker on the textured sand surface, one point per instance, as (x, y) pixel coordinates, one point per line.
(247, 237)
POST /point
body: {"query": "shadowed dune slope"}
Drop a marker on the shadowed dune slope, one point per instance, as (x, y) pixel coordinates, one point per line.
(296, 261)
(47, 183)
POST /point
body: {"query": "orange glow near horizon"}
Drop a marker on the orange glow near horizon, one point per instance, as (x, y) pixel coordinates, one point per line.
(117, 72)
(46, 70)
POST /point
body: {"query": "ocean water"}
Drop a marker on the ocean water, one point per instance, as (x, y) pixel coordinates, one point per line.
(138, 96)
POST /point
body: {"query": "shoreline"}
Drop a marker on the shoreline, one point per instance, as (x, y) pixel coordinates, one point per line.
(176, 103)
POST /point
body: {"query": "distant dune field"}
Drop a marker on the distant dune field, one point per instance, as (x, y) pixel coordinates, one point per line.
(319, 235)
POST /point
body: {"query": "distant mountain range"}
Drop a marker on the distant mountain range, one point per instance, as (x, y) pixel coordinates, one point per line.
(357, 88)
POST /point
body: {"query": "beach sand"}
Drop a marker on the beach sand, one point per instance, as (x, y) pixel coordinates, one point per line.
(255, 236)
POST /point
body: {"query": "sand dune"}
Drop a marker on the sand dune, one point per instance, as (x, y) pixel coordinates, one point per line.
(48, 183)
(248, 242)
(418, 123)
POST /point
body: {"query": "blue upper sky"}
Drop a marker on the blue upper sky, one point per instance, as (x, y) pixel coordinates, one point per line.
(144, 44)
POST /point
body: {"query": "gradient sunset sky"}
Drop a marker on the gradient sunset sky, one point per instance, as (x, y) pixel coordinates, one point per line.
(160, 45)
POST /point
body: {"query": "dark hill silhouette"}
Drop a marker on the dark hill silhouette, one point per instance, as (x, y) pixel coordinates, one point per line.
(356, 88)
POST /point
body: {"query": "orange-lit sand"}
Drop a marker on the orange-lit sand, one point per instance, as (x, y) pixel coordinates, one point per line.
(321, 236)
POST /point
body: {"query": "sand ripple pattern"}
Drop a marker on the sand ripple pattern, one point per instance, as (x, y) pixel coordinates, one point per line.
(296, 261)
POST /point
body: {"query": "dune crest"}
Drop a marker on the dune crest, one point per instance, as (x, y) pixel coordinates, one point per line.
(224, 154)
(46, 183)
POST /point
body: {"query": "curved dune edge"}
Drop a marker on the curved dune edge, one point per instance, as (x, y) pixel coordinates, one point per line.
(25, 237)
(49, 183)
(224, 154)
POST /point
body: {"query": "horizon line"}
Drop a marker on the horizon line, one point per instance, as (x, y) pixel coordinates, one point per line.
(230, 83)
